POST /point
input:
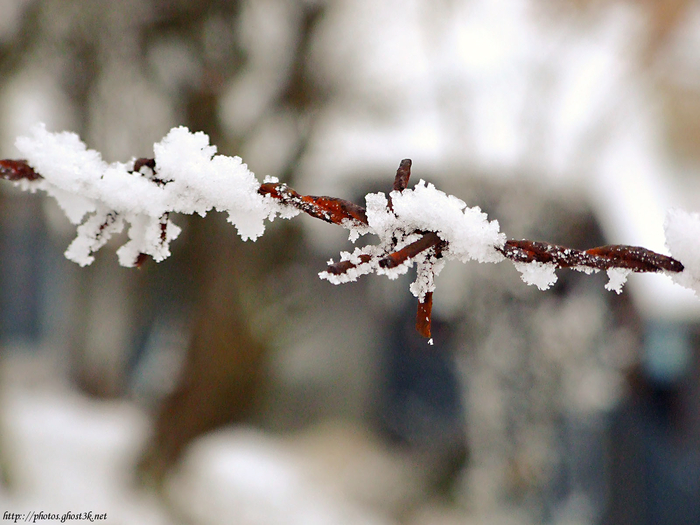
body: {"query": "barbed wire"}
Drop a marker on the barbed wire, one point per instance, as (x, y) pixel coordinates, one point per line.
(348, 214)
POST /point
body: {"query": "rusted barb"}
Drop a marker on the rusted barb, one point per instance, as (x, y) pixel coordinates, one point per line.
(636, 258)
(329, 209)
(633, 258)
(402, 175)
(342, 267)
(428, 240)
(424, 315)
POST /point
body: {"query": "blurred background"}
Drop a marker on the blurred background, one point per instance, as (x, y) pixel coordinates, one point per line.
(229, 384)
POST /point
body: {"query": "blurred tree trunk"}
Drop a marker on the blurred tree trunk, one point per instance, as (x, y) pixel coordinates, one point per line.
(225, 369)
(225, 364)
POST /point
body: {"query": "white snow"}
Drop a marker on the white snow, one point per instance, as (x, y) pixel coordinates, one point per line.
(425, 277)
(239, 475)
(682, 234)
(358, 271)
(71, 453)
(469, 233)
(536, 273)
(617, 277)
(203, 180)
(87, 242)
(66, 452)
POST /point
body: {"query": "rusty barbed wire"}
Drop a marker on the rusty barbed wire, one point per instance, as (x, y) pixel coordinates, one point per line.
(633, 258)
(348, 214)
(329, 209)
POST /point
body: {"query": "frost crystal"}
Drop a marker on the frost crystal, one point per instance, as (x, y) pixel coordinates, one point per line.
(536, 273)
(617, 277)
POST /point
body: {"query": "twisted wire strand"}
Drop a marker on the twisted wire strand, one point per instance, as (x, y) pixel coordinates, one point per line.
(345, 213)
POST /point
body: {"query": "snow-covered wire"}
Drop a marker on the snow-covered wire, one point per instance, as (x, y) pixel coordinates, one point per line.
(420, 225)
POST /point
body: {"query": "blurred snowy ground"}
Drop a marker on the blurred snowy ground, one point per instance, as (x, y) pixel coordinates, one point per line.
(63, 451)
(67, 452)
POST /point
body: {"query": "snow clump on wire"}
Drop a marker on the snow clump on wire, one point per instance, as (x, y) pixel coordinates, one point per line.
(191, 179)
(470, 236)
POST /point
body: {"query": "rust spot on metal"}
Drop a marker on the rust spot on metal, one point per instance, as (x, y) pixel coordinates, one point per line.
(140, 163)
(16, 170)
